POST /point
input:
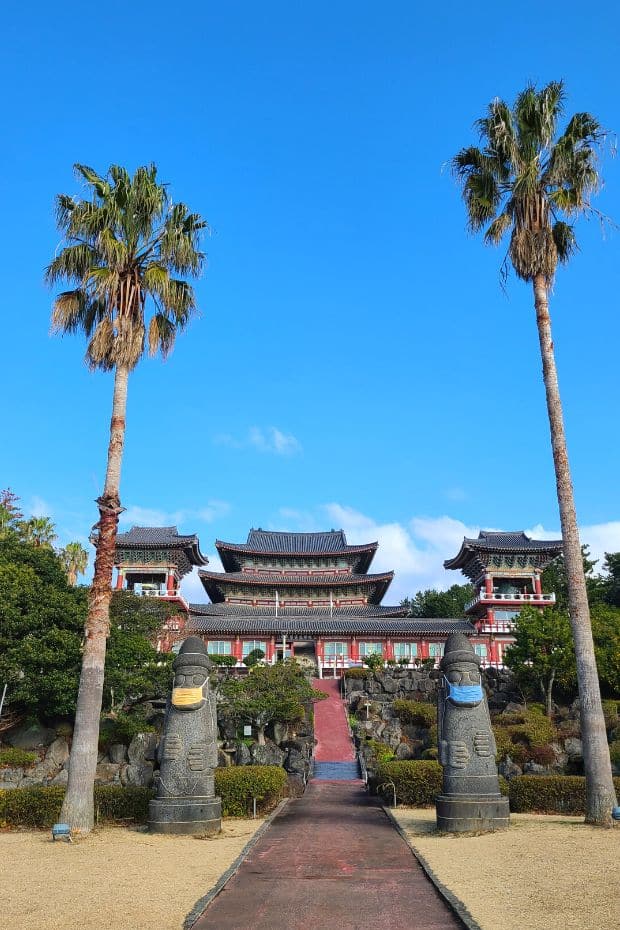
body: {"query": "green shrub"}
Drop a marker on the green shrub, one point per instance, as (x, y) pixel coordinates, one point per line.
(423, 715)
(17, 757)
(549, 794)
(226, 660)
(383, 752)
(418, 782)
(543, 755)
(610, 711)
(237, 785)
(373, 661)
(121, 728)
(40, 807)
(357, 673)
(614, 751)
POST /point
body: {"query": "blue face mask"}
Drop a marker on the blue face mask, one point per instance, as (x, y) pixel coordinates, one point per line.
(464, 694)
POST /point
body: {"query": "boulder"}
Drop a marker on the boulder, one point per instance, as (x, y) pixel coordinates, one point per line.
(242, 755)
(295, 763)
(508, 768)
(10, 777)
(117, 753)
(61, 779)
(31, 736)
(296, 786)
(533, 768)
(107, 773)
(136, 775)
(142, 748)
(404, 751)
(269, 754)
(58, 752)
(574, 748)
(280, 733)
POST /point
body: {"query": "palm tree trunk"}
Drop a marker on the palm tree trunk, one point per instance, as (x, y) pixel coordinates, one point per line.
(78, 805)
(600, 792)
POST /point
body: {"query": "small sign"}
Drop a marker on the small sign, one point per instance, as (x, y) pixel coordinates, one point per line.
(247, 730)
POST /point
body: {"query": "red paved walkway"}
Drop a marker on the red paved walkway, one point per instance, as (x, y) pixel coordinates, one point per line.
(331, 731)
(331, 860)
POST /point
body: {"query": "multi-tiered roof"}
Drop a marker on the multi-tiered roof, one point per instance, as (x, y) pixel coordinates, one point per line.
(302, 584)
(497, 552)
(150, 546)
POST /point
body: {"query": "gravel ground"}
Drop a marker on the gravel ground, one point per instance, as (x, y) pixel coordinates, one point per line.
(545, 871)
(115, 879)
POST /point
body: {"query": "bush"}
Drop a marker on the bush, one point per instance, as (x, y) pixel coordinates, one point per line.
(543, 755)
(549, 794)
(17, 757)
(40, 807)
(225, 660)
(417, 782)
(121, 728)
(423, 715)
(357, 673)
(610, 711)
(237, 785)
(373, 661)
(382, 752)
(614, 751)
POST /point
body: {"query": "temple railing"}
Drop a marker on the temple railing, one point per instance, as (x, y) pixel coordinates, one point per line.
(484, 598)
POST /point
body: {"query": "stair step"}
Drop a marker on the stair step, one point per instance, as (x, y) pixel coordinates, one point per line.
(336, 771)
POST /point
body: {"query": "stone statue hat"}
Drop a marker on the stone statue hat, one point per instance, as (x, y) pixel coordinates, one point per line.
(192, 652)
(458, 649)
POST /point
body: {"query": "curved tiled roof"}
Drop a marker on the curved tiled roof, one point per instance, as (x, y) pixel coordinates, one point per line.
(376, 611)
(215, 582)
(320, 625)
(518, 543)
(164, 537)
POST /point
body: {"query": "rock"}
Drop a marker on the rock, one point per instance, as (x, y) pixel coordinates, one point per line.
(280, 733)
(269, 754)
(533, 768)
(142, 748)
(224, 759)
(11, 777)
(107, 773)
(243, 755)
(508, 768)
(31, 736)
(514, 708)
(404, 751)
(61, 779)
(138, 775)
(295, 763)
(296, 786)
(387, 682)
(58, 752)
(117, 753)
(573, 747)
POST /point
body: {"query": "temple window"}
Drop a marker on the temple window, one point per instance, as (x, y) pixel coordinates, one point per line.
(370, 649)
(405, 650)
(249, 645)
(336, 649)
(219, 647)
(435, 650)
(481, 650)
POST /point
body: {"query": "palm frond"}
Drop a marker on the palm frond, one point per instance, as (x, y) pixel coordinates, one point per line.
(565, 241)
(162, 332)
(496, 231)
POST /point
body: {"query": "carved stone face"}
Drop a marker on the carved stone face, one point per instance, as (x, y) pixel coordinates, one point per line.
(463, 683)
(189, 688)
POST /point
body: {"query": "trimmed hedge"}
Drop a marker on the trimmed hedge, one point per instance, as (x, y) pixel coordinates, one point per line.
(422, 715)
(418, 782)
(238, 784)
(549, 794)
(40, 807)
(357, 673)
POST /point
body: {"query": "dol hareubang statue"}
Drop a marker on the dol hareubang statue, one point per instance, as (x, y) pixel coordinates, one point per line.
(471, 799)
(185, 801)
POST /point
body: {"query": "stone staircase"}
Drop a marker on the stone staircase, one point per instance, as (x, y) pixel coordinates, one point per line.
(334, 757)
(336, 771)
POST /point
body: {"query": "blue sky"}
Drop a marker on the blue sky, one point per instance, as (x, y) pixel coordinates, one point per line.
(356, 362)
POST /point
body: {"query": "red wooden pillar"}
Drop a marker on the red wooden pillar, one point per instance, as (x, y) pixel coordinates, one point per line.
(119, 580)
(271, 648)
(388, 649)
(537, 585)
(355, 650)
(170, 583)
(320, 649)
(238, 649)
(488, 585)
(423, 645)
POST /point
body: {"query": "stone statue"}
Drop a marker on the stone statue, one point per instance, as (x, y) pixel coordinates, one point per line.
(471, 799)
(187, 754)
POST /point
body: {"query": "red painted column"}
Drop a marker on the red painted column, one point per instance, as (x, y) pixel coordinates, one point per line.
(237, 649)
(388, 648)
(271, 648)
(355, 650)
(537, 584)
(423, 649)
(488, 585)
(119, 580)
(170, 583)
(320, 651)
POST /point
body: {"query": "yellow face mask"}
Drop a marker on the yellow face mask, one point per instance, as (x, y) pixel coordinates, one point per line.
(183, 697)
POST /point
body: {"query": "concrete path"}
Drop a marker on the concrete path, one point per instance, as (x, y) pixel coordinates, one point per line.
(331, 860)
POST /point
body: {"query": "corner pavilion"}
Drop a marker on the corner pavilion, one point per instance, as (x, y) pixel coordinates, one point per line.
(312, 594)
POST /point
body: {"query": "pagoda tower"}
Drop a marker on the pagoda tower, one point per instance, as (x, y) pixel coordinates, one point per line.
(505, 569)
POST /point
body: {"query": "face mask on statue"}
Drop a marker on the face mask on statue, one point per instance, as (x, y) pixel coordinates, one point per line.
(188, 698)
(467, 695)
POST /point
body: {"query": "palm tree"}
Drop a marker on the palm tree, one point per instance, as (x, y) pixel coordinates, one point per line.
(40, 531)
(528, 181)
(126, 246)
(74, 558)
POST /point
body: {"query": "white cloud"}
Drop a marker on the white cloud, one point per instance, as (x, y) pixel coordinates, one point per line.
(263, 439)
(600, 537)
(37, 507)
(135, 515)
(191, 586)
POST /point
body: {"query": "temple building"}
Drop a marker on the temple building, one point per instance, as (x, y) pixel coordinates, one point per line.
(311, 594)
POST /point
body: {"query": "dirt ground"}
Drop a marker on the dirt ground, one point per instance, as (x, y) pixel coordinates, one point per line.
(545, 871)
(115, 879)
